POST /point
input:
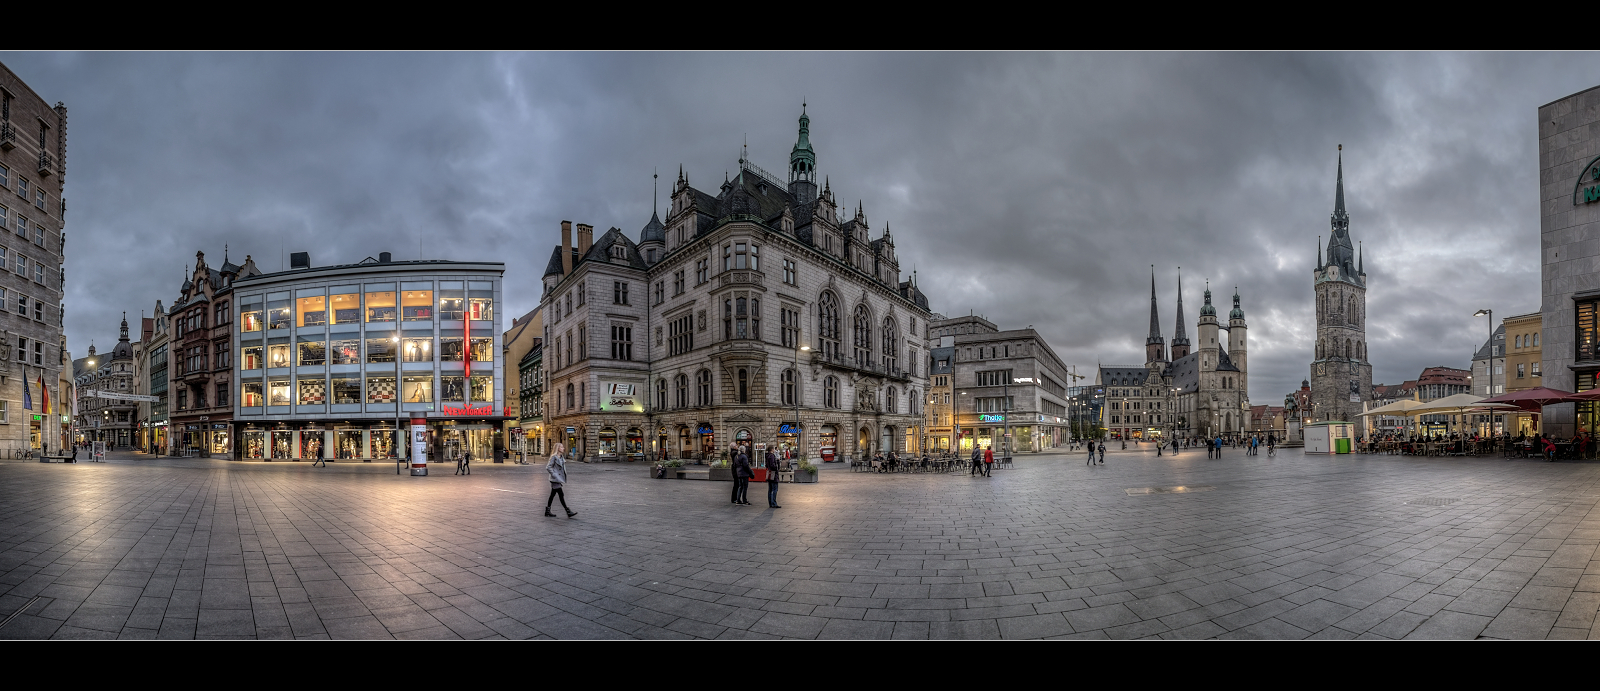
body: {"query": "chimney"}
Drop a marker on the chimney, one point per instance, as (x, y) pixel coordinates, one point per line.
(566, 247)
(300, 260)
(585, 238)
(384, 257)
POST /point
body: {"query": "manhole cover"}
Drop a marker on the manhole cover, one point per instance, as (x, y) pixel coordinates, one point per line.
(1182, 489)
(1432, 501)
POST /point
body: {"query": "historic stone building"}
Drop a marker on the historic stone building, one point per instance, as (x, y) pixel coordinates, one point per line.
(1187, 392)
(757, 313)
(200, 352)
(100, 379)
(1341, 376)
(33, 148)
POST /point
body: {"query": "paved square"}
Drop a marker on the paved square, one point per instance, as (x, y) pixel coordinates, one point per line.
(1288, 547)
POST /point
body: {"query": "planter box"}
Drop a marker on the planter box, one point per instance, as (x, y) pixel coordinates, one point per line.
(672, 473)
(720, 474)
(803, 476)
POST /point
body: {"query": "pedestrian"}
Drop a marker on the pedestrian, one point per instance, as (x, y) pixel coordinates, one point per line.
(772, 480)
(741, 476)
(1091, 453)
(464, 463)
(988, 462)
(1102, 453)
(557, 467)
(977, 460)
(1218, 443)
(321, 458)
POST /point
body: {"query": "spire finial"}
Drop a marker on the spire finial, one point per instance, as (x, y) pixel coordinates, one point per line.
(1319, 252)
(655, 188)
(1361, 257)
(1155, 320)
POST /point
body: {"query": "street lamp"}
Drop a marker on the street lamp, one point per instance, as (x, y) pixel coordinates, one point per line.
(1489, 389)
(398, 390)
(799, 431)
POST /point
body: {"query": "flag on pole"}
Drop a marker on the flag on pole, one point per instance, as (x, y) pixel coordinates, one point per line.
(27, 395)
(44, 392)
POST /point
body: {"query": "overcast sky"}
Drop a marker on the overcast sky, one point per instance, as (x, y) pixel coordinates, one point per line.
(1034, 189)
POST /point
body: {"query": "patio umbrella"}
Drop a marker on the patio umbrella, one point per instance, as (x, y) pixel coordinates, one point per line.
(1537, 397)
(1457, 403)
(1399, 408)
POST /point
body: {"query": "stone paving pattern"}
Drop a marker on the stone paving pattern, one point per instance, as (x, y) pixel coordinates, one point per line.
(1286, 548)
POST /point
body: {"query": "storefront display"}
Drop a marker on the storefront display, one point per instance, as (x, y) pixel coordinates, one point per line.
(279, 392)
(278, 355)
(346, 389)
(416, 301)
(313, 311)
(345, 351)
(250, 394)
(311, 443)
(349, 443)
(608, 443)
(633, 445)
(708, 441)
(221, 441)
(788, 440)
(312, 391)
(282, 444)
(382, 440)
(828, 440)
(255, 445)
(380, 302)
(346, 303)
(312, 353)
(250, 357)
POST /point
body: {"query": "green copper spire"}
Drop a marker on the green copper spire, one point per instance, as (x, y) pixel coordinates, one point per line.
(802, 160)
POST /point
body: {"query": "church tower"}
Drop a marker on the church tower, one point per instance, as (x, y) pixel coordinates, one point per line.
(1341, 376)
(1238, 344)
(803, 164)
(1180, 339)
(1154, 344)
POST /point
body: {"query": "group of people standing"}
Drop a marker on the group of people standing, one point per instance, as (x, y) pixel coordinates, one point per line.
(743, 472)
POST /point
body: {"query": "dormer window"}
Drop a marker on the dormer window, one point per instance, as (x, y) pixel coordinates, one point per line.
(619, 251)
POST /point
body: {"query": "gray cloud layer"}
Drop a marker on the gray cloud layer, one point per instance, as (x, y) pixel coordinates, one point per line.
(1031, 188)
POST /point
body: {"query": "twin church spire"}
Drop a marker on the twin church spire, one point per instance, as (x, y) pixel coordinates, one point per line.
(1155, 343)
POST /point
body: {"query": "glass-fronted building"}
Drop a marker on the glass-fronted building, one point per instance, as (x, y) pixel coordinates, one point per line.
(331, 359)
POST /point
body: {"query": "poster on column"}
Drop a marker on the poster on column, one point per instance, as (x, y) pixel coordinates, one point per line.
(419, 449)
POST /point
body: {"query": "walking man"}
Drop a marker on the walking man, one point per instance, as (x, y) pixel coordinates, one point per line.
(772, 480)
(557, 467)
(464, 464)
(321, 458)
(1091, 453)
(977, 460)
(1102, 453)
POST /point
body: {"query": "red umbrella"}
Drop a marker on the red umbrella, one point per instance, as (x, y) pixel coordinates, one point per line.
(1537, 398)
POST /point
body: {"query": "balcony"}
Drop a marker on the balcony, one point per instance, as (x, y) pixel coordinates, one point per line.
(850, 364)
(741, 276)
(47, 164)
(8, 136)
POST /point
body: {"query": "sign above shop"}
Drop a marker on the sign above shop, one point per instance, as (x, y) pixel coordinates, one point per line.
(789, 428)
(619, 397)
(1591, 194)
(703, 429)
(1023, 380)
(991, 418)
(120, 396)
(485, 409)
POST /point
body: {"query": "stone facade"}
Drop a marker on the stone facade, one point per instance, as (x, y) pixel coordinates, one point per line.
(1569, 227)
(200, 360)
(33, 148)
(102, 418)
(746, 310)
(1341, 376)
(991, 366)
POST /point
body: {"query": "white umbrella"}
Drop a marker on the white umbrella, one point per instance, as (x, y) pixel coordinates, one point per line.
(1398, 408)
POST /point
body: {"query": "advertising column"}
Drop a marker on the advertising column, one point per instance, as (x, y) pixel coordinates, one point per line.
(419, 446)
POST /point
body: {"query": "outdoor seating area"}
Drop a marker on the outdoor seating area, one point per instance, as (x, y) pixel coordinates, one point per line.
(946, 463)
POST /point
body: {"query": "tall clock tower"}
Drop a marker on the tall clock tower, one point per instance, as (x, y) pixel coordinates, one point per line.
(1341, 376)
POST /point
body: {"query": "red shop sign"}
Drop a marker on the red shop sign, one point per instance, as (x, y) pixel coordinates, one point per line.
(469, 410)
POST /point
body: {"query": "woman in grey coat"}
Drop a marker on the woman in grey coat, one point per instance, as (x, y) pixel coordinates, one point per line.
(557, 467)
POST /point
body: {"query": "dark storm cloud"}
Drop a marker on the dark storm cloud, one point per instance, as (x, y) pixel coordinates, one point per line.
(1030, 188)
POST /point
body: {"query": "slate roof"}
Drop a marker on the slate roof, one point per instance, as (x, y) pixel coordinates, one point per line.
(1185, 373)
(653, 231)
(600, 251)
(946, 354)
(1111, 375)
(1498, 339)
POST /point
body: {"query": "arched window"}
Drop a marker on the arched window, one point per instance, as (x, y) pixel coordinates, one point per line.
(1352, 311)
(830, 393)
(862, 338)
(683, 390)
(1536, 340)
(744, 385)
(888, 401)
(661, 394)
(569, 397)
(1348, 353)
(828, 325)
(890, 345)
(788, 387)
(703, 388)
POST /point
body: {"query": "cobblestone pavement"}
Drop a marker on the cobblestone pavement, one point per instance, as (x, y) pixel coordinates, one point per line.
(1288, 547)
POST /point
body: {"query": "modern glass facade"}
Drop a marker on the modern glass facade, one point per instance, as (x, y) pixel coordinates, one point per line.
(331, 359)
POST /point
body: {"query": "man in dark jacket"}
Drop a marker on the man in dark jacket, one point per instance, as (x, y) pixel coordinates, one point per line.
(741, 476)
(977, 460)
(772, 480)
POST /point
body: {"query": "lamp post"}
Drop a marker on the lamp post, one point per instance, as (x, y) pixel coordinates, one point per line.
(399, 390)
(799, 430)
(1488, 390)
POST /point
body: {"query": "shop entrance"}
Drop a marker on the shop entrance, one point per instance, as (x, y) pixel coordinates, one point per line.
(828, 443)
(477, 440)
(788, 440)
(745, 440)
(633, 444)
(708, 441)
(886, 442)
(864, 442)
(685, 446)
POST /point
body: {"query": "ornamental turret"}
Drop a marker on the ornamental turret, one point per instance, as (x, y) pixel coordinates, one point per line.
(803, 164)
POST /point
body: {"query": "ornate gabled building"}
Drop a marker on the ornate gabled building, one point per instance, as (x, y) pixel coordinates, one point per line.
(200, 351)
(100, 379)
(1201, 392)
(754, 314)
(1341, 376)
